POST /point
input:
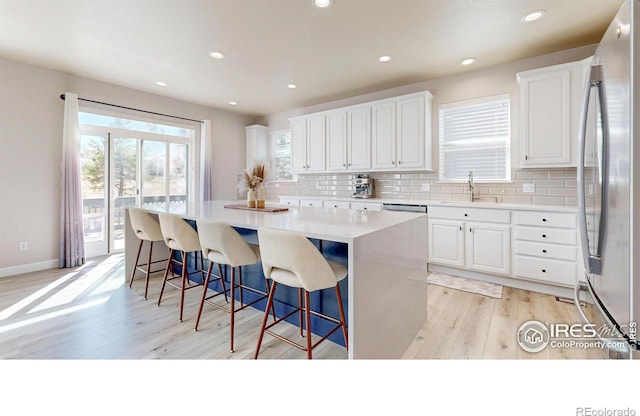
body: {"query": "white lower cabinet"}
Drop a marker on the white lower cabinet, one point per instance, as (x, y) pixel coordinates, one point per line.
(366, 206)
(545, 247)
(311, 202)
(335, 204)
(472, 245)
(290, 201)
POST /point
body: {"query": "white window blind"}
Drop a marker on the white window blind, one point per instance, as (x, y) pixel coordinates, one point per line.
(475, 136)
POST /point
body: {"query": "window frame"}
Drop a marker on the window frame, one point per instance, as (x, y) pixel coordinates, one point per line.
(508, 150)
(272, 156)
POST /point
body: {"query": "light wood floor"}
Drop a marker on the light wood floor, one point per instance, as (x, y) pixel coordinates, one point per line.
(90, 313)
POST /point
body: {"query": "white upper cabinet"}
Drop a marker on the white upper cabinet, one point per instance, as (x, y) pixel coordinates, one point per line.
(337, 140)
(308, 144)
(390, 134)
(401, 133)
(359, 138)
(256, 145)
(550, 105)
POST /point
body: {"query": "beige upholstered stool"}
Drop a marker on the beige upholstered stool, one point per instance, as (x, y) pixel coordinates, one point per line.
(290, 259)
(179, 236)
(146, 228)
(223, 245)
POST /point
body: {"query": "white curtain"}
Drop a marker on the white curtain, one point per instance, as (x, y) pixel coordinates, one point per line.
(205, 161)
(71, 226)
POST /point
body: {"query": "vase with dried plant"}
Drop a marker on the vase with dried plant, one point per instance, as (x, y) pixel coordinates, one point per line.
(252, 182)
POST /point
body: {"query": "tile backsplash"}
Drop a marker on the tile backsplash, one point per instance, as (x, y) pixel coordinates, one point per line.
(551, 187)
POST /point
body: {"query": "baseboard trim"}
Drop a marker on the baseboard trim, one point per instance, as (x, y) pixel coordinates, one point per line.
(28, 268)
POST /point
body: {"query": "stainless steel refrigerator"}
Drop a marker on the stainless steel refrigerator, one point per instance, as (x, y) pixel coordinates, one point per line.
(609, 185)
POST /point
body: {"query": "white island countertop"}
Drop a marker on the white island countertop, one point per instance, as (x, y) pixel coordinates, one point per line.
(322, 223)
(386, 256)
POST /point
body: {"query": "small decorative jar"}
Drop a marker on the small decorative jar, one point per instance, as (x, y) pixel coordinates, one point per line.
(251, 198)
(261, 194)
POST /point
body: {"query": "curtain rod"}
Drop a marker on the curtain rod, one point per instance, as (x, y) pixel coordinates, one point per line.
(62, 97)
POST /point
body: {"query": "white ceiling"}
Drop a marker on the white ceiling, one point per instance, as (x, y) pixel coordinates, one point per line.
(329, 53)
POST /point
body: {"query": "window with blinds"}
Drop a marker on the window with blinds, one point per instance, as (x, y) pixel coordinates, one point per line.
(475, 136)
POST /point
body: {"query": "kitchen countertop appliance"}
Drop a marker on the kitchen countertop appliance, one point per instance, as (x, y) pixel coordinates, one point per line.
(608, 199)
(363, 186)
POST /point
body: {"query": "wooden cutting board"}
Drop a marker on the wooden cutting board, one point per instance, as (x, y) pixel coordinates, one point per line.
(265, 209)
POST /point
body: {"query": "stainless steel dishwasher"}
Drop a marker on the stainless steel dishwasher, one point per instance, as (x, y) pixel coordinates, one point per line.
(404, 207)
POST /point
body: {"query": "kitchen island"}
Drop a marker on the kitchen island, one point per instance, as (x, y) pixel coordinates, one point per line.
(386, 255)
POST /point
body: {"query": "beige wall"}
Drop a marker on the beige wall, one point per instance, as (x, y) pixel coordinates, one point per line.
(31, 146)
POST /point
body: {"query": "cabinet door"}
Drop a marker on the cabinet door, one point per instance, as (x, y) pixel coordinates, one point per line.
(299, 145)
(546, 118)
(336, 141)
(488, 247)
(411, 133)
(315, 143)
(366, 206)
(383, 135)
(446, 242)
(359, 138)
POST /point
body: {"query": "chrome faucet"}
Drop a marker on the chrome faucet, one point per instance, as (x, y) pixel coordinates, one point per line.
(472, 188)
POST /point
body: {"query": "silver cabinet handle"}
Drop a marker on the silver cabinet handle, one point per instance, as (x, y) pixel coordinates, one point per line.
(593, 261)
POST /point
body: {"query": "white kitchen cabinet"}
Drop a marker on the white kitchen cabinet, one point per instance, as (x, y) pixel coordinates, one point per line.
(311, 202)
(308, 144)
(335, 204)
(348, 139)
(550, 105)
(545, 247)
(470, 238)
(401, 133)
(488, 247)
(290, 201)
(257, 145)
(446, 242)
(366, 206)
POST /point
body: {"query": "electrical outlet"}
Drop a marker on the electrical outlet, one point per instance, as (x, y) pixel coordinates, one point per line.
(528, 188)
(426, 187)
(24, 245)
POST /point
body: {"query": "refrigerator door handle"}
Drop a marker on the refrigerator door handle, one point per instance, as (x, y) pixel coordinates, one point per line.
(593, 261)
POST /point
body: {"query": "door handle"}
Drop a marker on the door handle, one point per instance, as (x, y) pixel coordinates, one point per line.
(593, 261)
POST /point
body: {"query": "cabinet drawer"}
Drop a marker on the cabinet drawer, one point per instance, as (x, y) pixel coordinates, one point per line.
(546, 219)
(552, 271)
(311, 203)
(470, 214)
(546, 250)
(336, 204)
(366, 206)
(547, 235)
(290, 201)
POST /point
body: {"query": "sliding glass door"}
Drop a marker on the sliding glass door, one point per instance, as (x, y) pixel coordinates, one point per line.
(126, 166)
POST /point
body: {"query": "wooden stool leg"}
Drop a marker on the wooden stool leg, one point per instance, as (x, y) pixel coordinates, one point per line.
(232, 310)
(166, 274)
(184, 282)
(146, 284)
(307, 312)
(264, 319)
(300, 310)
(135, 265)
(224, 288)
(204, 294)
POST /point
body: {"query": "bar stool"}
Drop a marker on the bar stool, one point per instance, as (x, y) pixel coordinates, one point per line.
(223, 245)
(146, 228)
(290, 259)
(179, 236)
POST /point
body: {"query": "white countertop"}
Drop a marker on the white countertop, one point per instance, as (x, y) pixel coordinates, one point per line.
(428, 202)
(332, 224)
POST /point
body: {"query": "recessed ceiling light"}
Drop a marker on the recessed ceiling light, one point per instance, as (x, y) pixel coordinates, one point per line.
(384, 58)
(468, 61)
(161, 83)
(533, 16)
(216, 55)
(322, 3)
(233, 103)
(292, 86)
